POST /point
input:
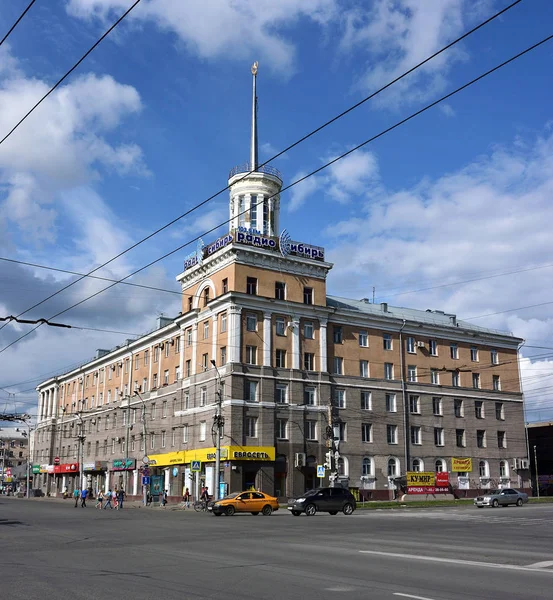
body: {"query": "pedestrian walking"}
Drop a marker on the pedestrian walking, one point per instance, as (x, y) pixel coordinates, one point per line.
(76, 496)
(164, 498)
(120, 498)
(100, 500)
(114, 499)
(108, 500)
(84, 494)
(186, 497)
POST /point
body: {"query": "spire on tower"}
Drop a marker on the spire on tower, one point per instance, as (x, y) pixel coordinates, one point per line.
(253, 149)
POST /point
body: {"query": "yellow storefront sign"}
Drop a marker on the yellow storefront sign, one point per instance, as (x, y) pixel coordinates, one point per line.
(461, 465)
(416, 479)
(167, 459)
(252, 453)
(182, 457)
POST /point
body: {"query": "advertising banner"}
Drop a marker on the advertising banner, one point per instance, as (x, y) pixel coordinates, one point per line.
(461, 465)
(427, 483)
(124, 464)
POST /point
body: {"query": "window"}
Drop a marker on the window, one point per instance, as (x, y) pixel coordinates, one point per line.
(311, 430)
(455, 379)
(309, 361)
(494, 357)
(163, 438)
(250, 391)
(102, 397)
(112, 447)
(166, 346)
(364, 339)
(188, 368)
(206, 296)
(164, 409)
(282, 429)
(417, 465)
(127, 365)
(501, 439)
(224, 286)
(388, 371)
(205, 361)
(393, 467)
(136, 363)
(481, 438)
(454, 351)
(309, 397)
(438, 436)
(190, 302)
(189, 337)
(366, 401)
(251, 427)
(460, 438)
(435, 376)
(185, 434)
(153, 411)
(308, 331)
(251, 286)
(203, 396)
(411, 345)
(206, 330)
(173, 437)
(363, 368)
(474, 354)
(476, 380)
(307, 295)
(165, 377)
(437, 406)
(499, 411)
(177, 373)
(440, 465)
(496, 383)
(367, 467)
(224, 355)
(366, 432)
(458, 408)
(416, 435)
(479, 409)
(483, 468)
(387, 341)
(281, 393)
(280, 359)
(343, 432)
(251, 355)
(280, 326)
(391, 405)
(186, 400)
(177, 344)
(156, 354)
(223, 322)
(280, 290)
(337, 334)
(503, 469)
(411, 373)
(251, 322)
(203, 429)
(107, 422)
(391, 434)
(432, 348)
(338, 365)
(340, 398)
(415, 405)
(152, 440)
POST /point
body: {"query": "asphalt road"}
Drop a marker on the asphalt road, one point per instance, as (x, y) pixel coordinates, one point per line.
(52, 550)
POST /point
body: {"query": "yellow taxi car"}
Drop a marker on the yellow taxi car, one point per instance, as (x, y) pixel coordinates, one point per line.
(252, 502)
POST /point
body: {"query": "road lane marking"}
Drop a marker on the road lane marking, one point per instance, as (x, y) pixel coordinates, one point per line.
(455, 561)
(541, 565)
(411, 596)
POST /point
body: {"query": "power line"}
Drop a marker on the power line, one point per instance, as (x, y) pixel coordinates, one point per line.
(291, 146)
(318, 170)
(500, 312)
(17, 22)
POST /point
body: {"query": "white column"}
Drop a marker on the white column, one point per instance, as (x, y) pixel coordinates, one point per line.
(167, 482)
(55, 412)
(135, 483)
(40, 406)
(50, 400)
(194, 346)
(181, 354)
(267, 339)
(214, 334)
(295, 343)
(151, 360)
(234, 340)
(322, 345)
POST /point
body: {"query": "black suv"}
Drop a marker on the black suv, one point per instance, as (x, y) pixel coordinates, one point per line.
(330, 500)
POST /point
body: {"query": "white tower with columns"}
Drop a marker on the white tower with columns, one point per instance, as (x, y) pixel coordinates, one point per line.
(255, 189)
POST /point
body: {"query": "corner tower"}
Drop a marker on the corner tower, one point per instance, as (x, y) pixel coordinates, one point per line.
(254, 189)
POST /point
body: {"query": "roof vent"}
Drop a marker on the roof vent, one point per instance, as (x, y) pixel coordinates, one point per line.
(384, 306)
(163, 321)
(101, 352)
(365, 300)
(453, 319)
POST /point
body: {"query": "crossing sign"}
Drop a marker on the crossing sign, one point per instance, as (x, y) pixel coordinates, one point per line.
(195, 466)
(145, 480)
(320, 471)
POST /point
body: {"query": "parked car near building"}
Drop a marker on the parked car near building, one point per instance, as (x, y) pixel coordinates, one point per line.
(504, 497)
(330, 500)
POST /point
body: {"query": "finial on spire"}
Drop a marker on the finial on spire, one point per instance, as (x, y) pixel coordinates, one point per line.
(253, 148)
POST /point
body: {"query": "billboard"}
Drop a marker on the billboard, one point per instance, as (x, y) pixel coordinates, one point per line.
(461, 465)
(427, 482)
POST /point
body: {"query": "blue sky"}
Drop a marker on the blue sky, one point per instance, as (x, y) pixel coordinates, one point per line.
(153, 120)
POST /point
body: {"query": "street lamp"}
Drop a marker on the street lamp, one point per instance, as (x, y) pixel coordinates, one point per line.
(145, 460)
(27, 435)
(218, 422)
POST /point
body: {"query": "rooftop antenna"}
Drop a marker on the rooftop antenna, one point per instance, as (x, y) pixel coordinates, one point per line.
(253, 145)
(374, 290)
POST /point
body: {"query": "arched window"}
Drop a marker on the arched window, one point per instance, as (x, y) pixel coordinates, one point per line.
(503, 469)
(342, 466)
(393, 467)
(367, 466)
(483, 468)
(418, 465)
(440, 465)
(206, 296)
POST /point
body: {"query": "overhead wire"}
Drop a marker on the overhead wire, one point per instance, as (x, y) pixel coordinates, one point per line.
(10, 30)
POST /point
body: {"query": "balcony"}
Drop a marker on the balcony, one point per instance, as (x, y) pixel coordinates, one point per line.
(246, 168)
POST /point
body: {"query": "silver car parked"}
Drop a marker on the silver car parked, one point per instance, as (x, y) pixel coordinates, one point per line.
(502, 497)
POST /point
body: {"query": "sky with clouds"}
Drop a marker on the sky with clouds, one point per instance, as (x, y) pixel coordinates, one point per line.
(450, 211)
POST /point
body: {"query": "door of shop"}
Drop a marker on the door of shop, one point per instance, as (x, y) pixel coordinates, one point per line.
(156, 487)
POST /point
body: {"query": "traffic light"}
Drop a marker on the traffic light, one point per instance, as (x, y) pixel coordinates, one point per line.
(328, 460)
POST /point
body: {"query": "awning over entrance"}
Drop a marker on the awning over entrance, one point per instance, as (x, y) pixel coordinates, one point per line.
(228, 453)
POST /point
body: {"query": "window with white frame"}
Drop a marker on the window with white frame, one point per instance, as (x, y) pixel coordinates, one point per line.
(282, 429)
(251, 427)
(437, 406)
(432, 347)
(454, 351)
(496, 383)
(411, 373)
(476, 380)
(455, 379)
(309, 361)
(338, 365)
(189, 336)
(203, 396)
(417, 465)
(367, 467)
(494, 356)
(474, 354)
(177, 373)
(224, 355)
(460, 438)
(281, 393)
(188, 368)
(337, 334)
(203, 430)
(438, 436)
(366, 400)
(206, 330)
(503, 469)
(166, 377)
(186, 401)
(391, 404)
(440, 465)
(164, 409)
(387, 341)
(223, 322)
(501, 439)
(416, 436)
(340, 398)
(251, 355)
(483, 468)
(391, 434)
(411, 345)
(366, 432)
(311, 430)
(152, 441)
(163, 439)
(280, 326)
(205, 362)
(434, 376)
(364, 339)
(388, 371)
(185, 434)
(414, 404)
(251, 322)
(280, 290)
(280, 359)
(499, 411)
(308, 331)
(481, 438)
(363, 368)
(458, 407)
(309, 397)
(393, 467)
(479, 409)
(250, 391)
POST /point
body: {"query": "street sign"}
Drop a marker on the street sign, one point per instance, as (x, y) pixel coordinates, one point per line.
(57, 460)
(195, 466)
(320, 471)
(145, 472)
(145, 481)
(146, 460)
(8, 472)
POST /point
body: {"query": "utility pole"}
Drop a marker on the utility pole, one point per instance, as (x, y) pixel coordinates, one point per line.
(81, 438)
(145, 459)
(27, 435)
(218, 422)
(536, 469)
(127, 439)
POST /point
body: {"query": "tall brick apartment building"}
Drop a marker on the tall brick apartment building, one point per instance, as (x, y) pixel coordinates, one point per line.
(397, 389)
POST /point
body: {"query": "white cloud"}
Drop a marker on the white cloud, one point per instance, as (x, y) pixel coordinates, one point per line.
(240, 30)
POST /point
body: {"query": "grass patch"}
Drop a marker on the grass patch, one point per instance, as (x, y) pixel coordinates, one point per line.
(542, 500)
(414, 504)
